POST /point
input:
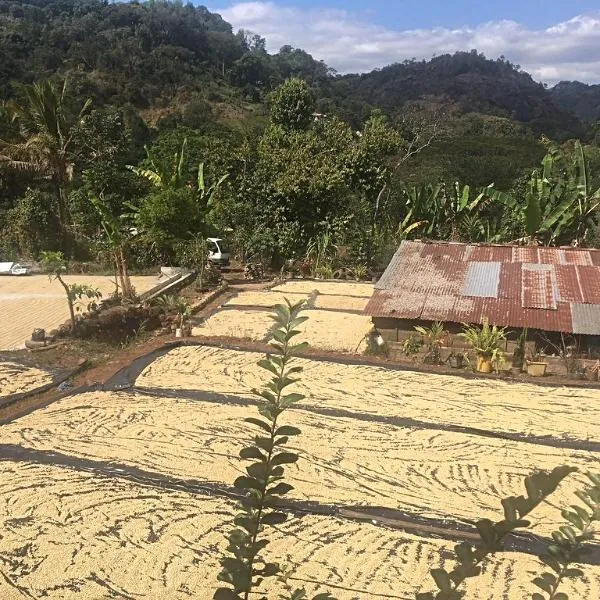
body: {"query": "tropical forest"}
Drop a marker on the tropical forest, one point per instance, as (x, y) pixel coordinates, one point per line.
(157, 124)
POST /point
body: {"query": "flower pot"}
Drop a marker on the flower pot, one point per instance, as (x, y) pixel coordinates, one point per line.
(484, 364)
(536, 369)
(179, 332)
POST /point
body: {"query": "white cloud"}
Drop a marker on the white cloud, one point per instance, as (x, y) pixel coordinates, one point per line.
(348, 42)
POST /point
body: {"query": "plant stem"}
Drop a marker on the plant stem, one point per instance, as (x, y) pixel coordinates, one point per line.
(263, 490)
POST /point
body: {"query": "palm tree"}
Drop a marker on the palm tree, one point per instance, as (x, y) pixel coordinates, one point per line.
(46, 128)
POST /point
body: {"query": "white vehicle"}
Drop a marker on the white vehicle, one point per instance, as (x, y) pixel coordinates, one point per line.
(218, 254)
(12, 268)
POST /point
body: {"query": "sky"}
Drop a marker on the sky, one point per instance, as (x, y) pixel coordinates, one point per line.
(553, 40)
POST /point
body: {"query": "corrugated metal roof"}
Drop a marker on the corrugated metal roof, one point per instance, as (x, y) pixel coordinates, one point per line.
(589, 279)
(482, 279)
(567, 282)
(556, 289)
(586, 318)
(537, 286)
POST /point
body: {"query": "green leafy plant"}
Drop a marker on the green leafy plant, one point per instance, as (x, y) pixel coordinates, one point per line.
(324, 272)
(320, 253)
(469, 557)
(519, 353)
(117, 236)
(55, 264)
(569, 542)
(412, 344)
(434, 338)
(360, 271)
(78, 291)
(192, 254)
(177, 305)
(245, 567)
(487, 341)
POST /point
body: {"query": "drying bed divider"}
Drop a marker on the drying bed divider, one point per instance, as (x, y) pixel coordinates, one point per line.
(74, 392)
(451, 529)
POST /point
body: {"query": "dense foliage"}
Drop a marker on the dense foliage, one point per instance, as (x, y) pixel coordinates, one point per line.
(131, 130)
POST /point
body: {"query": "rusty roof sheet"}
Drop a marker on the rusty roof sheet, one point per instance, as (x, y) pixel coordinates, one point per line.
(538, 289)
(556, 289)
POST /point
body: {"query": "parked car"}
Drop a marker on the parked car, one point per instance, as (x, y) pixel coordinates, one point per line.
(218, 254)
(12, 268)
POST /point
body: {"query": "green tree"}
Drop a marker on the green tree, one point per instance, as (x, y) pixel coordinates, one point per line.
(46, 130)
(263, 487)
(292, 104)
(55, 265)
(118, 235)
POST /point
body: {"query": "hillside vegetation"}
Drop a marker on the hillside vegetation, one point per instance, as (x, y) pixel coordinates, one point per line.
(156, 117)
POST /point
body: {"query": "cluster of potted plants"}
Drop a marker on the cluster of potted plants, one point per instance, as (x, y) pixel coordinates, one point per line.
(488, 342)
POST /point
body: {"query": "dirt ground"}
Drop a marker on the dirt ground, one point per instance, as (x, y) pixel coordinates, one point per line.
(34, 301)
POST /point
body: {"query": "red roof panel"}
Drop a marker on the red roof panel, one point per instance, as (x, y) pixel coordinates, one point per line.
(537, 287)
(549, 256)
(455, 252)
(524, 254)
(567, 283)
(510, 281)
(576, 257)
(595, 256)
(491, 254)
(589, 279)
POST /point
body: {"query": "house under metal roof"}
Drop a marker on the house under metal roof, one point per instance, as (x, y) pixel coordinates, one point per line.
(554, 289)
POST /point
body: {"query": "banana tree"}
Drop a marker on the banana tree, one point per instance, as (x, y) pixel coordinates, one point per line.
(547, 210)
(117, 235)
(423, 204)
(172, 175)
(458, 207)
(206, 193)
(586, 202)
(407, 226)
(164, 174)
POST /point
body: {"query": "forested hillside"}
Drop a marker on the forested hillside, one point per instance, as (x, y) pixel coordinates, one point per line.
(157, 117)
(579, 98)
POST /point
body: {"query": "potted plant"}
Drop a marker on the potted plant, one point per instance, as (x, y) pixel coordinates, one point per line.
(180, 307)
(535, 366)
(487, 341)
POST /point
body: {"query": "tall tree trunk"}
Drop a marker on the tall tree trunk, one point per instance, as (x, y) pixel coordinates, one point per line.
(124, 274)
(70, 301)
(60, 179)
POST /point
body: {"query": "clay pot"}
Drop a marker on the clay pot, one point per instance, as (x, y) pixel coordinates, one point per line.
(536, 369)
(484, 364)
